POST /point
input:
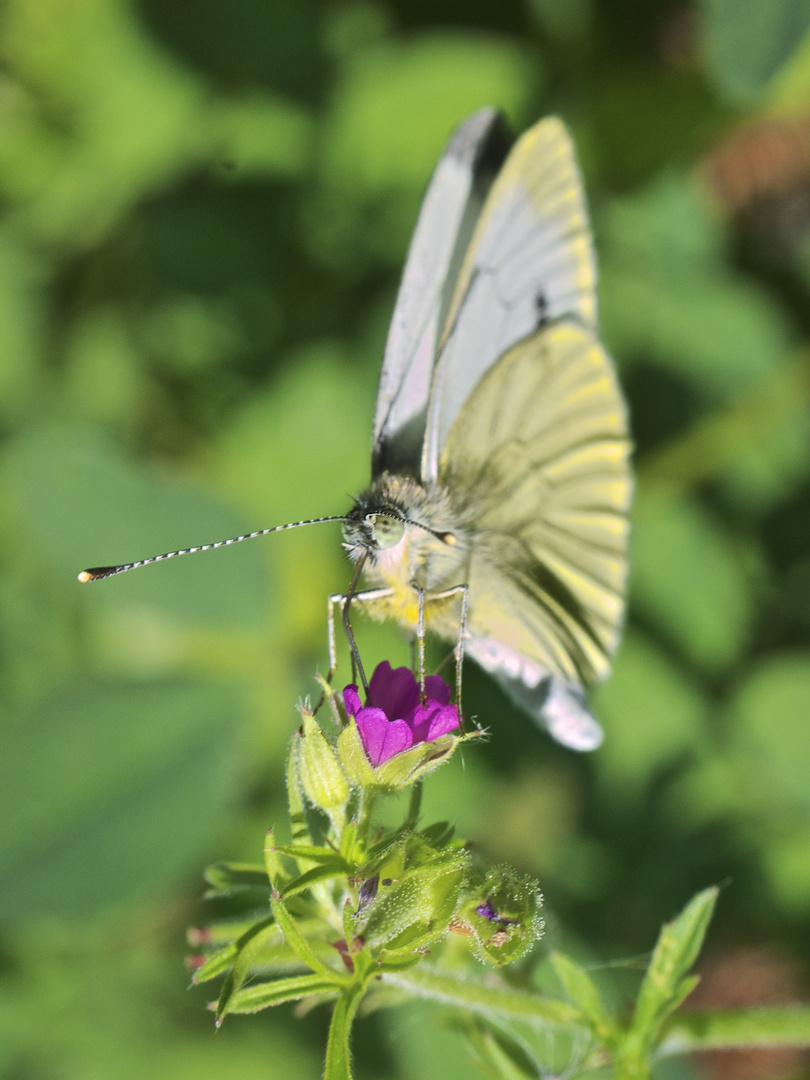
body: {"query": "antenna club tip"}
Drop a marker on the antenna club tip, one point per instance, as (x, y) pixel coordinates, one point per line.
(96, 573)
(449, 539)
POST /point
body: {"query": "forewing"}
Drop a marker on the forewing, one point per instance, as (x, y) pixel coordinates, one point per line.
(449, 212)
(537, 465)
(530, 262)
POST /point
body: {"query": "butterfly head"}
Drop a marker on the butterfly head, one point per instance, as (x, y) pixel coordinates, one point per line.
(379, 525)
(372, 530)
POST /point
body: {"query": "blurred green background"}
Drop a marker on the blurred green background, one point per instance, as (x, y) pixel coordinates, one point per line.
(205, 211)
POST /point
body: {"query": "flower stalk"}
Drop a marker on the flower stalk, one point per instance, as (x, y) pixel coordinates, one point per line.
(352, 915)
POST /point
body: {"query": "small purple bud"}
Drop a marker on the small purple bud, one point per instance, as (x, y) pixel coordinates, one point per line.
(367, 892)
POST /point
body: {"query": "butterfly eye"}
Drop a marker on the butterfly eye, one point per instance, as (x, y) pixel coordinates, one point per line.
(388, 531)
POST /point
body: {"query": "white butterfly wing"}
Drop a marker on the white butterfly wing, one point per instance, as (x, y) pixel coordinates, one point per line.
(530, 261)
(450, 209)
(538, 463)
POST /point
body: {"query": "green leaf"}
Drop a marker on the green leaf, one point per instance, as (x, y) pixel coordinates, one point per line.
(775, 1026)
(324, 872)
(747, 42)
(262, 995)
(111, 793)
(279, 956)
(504, 1057)
(298, 943)
(399, 101)
(675, 544)
(86, 505)
(646, 683)
(769, 728)
(664, 985)
(217, 963)
(490, 1000)
(248, 948)
(585, 995)
(321, 855)
(232, 875)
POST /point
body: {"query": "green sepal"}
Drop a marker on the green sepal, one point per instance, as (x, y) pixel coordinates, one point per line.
(351, 844)
(399, 771)
(251, 999)
(584, 993)
(393, 960)
(295, 796)
(272, 863)
(348, 921)
(322, 777)
(353, 758)
(417, 896)
(515, 900)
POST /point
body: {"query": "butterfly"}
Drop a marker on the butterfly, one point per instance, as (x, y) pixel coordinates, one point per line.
(500, 425)
(501, 480)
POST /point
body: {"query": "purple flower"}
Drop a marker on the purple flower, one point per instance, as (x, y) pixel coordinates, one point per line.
(393, 720)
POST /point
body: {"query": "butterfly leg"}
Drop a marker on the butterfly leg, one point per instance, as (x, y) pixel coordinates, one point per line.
(370, 596)
(420, 640)
(464, 592)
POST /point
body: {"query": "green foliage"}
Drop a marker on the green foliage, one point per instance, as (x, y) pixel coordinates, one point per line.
(205, 209)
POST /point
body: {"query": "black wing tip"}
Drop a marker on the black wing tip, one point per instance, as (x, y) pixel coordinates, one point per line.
(482, 141)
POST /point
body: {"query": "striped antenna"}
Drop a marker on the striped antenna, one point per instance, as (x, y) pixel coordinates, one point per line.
(96, 573)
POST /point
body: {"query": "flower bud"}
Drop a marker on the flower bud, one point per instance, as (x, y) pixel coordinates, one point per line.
(322, 777)
(418, 888)
(504, 915)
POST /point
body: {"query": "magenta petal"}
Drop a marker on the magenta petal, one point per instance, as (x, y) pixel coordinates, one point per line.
(432, 720)
(393, 690)
(436, 689)
(442, 722)
(351, 699)
(382, 738)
